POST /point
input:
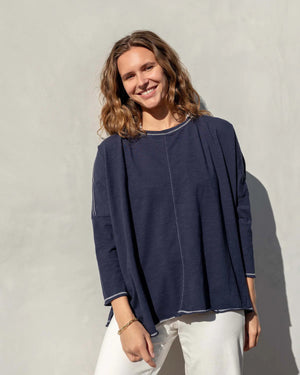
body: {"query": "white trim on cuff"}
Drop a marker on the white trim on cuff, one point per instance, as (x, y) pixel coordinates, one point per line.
(114, 295)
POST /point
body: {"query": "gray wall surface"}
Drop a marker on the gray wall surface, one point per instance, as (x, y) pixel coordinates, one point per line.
(243, 58)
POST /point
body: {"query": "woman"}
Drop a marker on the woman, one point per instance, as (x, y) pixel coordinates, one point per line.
(171, 220)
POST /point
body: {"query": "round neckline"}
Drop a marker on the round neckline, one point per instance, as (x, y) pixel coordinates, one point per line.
(169, 130)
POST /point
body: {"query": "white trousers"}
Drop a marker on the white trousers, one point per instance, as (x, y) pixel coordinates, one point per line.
(212, 344)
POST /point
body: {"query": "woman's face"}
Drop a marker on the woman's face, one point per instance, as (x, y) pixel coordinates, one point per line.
(143, 78)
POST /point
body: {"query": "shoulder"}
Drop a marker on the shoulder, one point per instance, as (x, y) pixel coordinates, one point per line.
(218, 124)
(220, 128)
(108, 143)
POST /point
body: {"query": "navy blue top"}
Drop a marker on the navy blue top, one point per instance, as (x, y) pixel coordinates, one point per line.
(172, 222)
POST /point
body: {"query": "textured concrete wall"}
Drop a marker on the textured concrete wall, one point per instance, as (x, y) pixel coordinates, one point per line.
(243, 57)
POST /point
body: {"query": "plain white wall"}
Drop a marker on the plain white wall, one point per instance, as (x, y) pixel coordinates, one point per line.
(243, 57)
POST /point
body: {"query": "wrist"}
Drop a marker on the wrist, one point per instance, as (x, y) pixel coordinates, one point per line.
(126, 325)
(123, 319)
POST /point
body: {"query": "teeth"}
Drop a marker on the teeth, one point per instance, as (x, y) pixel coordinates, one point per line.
(148, 91)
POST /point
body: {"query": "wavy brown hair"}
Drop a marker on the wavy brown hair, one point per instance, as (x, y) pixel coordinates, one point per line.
(120, 114)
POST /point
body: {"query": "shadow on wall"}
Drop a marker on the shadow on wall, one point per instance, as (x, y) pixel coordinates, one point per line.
(273, 353)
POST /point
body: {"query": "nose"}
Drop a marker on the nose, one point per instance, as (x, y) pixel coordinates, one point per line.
(142, 80)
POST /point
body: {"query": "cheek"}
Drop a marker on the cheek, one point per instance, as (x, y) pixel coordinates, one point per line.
(127, 87)
(130, 88)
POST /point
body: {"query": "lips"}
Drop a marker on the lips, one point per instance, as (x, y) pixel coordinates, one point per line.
(150, 88)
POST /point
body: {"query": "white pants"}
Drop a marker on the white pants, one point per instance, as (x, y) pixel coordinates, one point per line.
(212, 344)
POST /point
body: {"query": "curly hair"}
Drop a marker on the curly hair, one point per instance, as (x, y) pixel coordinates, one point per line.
(120, 114)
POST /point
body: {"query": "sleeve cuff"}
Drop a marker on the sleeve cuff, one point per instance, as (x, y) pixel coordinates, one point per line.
(107, 301)
(250, 275)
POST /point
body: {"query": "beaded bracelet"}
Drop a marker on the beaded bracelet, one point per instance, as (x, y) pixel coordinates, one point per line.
(126, 325)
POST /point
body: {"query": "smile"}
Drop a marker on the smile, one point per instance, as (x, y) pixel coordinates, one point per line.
(148, 92)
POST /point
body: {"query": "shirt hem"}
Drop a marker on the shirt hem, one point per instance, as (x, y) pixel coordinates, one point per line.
(185, 312)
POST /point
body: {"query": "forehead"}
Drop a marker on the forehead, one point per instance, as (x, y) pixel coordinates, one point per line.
(133, 58)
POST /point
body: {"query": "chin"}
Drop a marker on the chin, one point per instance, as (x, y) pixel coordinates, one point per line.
(151, 105)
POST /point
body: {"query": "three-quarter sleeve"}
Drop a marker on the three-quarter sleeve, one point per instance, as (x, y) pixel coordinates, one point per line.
(244, 213)
(111, 277)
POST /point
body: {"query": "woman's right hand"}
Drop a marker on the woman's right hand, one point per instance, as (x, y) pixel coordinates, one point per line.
(137, 344)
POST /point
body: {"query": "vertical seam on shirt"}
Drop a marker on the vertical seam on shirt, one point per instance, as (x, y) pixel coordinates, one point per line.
(170, 175)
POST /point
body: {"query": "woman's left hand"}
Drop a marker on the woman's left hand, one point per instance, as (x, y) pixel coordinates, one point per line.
(252, 330)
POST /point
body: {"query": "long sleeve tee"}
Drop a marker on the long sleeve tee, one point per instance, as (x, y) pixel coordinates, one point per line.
(172, 221)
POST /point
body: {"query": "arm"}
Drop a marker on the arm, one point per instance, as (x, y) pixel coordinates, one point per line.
(136, 341)
(252, 323)
(122, 310)
(252, 291)
(244, 213)
(111, 278)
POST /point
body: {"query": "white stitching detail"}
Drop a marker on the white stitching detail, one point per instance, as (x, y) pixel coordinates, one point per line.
(171, 131)
(176, 221)
(114, 295)
(192, 311)
(230, 308)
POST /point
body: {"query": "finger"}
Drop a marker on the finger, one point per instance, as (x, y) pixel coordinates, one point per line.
(134, 357)
(150, 346)
(252, 339)
(146, 357)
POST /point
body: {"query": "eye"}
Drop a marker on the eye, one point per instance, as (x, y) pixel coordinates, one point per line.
(131, 75)
(149, 67)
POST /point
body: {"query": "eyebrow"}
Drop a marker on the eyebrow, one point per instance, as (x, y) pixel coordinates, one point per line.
(142, 67)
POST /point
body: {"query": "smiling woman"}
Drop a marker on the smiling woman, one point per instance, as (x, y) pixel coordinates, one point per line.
(171, 219)
(146, 82)
(145, 86)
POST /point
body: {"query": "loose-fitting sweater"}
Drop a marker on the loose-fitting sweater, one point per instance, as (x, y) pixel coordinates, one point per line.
(172, 221)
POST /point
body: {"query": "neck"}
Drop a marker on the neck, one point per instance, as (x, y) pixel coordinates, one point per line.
(161, 120)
